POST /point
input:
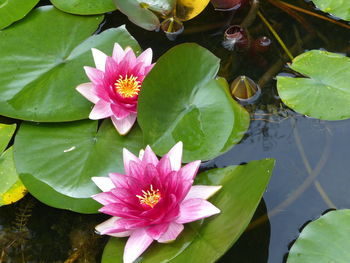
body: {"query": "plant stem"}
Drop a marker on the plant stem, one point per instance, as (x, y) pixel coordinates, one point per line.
(275, 34)
(309, 13)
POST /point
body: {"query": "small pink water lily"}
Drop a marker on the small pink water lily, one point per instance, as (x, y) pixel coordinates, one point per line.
(152, 200)
(115, 85)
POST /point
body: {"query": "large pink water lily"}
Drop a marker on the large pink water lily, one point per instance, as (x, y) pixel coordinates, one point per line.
(152, 200)
(115, 85)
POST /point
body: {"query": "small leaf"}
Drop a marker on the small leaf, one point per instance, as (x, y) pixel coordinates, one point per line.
(324, 92)
(207, 240)
(56, 161)
(11, 188)
(324, 240)
(337, 8)
(6, 133)
(140, 12)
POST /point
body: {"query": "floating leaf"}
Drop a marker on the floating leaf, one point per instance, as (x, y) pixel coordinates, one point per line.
(324, 92)
(188, 9)
(337, 8)
(181, 101)
(324, 240)
(140, 11)
(206, 241)
(6, 133)
(11, 188)
(14, 10)
(84, 7)
(56, 161)
(39, 74)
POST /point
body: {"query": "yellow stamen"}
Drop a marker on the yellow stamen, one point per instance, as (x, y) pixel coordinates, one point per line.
(150, 198)
(127, 87)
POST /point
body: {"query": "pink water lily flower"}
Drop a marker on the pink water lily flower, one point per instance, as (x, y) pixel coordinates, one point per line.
(152, 200)
(115, 85)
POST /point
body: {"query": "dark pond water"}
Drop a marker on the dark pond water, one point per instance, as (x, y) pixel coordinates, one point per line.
(310, 176)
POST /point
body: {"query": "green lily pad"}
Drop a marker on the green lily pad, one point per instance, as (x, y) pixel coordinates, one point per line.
(56, 161)
(85, 7)
(6, 133)
(338, 8)
(14, 10)
(207, 240)
(140, 12)
(39, 74)
(324, 240)
(11, 188)
(324, 92)
(181, 100)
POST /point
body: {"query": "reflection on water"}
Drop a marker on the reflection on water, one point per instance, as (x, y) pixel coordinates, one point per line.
(312, 156)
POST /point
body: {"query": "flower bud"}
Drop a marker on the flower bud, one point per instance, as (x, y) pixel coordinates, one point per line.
(236, 38)
(245, 90)
(262, 44)
(227, 5)
(172, 27)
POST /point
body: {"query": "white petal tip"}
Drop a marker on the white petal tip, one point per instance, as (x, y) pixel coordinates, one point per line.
(104, 183)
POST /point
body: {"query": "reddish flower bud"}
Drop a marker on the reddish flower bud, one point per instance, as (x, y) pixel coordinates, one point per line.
(227, 5)
(236, 38)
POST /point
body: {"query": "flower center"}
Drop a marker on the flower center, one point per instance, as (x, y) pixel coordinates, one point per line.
(127, 86)
(150, 198)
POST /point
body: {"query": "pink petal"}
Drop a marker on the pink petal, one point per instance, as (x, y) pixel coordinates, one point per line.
(95, 75)
(118, 52)
(149, 156)
(101, 110)
(146, 57)
(137, 243)
(104, 183)
(111, 227)
(202, 191)
(189, 171)
(130, 57)
(127, 158)
(119, 111)
(171, 234)
(148, 69)
(104, 198)
(195, 209)
(164, 167)
(175, 156)
(119, 180)
(123, 126)
(157, 231)
(99, 58)
(85, 89)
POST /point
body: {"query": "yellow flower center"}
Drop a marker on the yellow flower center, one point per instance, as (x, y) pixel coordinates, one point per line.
(127, 86)
(150, 198)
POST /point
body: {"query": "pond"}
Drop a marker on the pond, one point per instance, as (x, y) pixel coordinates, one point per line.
(310, 175)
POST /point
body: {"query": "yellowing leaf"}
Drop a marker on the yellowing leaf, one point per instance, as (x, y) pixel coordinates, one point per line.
(188, 9)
